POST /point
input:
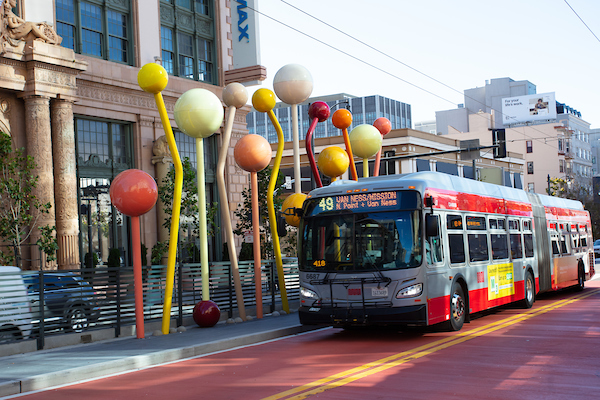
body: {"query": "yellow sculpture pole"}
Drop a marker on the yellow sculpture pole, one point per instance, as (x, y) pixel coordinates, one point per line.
(234, 96)
(153, 78)
(263, 100)
(202, 225)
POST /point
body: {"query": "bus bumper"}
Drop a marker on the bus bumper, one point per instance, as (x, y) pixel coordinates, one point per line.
(340, 317)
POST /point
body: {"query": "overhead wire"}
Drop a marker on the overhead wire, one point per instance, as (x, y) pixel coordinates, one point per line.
(378, 68)
(582, 21)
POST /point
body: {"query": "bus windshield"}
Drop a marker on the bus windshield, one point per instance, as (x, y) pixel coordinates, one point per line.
(359, 242)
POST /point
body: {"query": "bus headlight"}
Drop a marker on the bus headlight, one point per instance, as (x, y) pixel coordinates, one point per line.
(410, 291)
(308, 294)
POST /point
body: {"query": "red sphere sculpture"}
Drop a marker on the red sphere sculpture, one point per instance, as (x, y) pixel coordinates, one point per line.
(319, 110)
(383, 125)
(133, 192)
(206, 313)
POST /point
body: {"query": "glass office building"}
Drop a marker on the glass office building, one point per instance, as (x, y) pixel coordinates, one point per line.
(365, 110)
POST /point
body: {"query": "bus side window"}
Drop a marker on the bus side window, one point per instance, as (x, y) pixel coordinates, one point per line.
(456, 245)
(433, 247)
(563, 245)
(528, 239)
(478, 247)
(555, 250)
(516, 250)
(499, 246)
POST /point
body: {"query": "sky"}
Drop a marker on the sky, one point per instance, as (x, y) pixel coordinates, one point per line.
(427, 52)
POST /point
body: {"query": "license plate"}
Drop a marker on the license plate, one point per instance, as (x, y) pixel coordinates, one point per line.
(379, 292)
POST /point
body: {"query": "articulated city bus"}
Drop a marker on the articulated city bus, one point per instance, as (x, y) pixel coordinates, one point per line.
(428, 248)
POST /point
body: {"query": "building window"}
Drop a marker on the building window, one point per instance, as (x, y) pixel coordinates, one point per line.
(531, 187)
(187, 39)
(529, 146)
(104, 149)
(99, 28)
(530, 167)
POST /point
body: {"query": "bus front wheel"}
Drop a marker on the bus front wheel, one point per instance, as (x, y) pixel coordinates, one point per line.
(458, 307)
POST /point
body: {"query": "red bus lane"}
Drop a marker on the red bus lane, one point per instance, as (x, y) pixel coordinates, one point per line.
(548, 352)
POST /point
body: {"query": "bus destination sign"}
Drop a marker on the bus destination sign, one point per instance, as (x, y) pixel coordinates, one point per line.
(379, 201)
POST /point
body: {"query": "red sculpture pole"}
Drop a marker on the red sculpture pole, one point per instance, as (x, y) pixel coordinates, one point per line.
(137, 276)
(318, 112)
(384, 126)
(134, 192)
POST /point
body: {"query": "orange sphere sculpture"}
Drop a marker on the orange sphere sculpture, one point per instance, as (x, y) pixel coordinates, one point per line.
(342, 119)
(133, 192)
(252, 153)
(293, 201)
(333, 161)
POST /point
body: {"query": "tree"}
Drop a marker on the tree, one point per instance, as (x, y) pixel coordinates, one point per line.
(244, 211)
(189, 209)
(20, 209)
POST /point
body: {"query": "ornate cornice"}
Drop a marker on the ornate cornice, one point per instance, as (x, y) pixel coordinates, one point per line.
(112, 94)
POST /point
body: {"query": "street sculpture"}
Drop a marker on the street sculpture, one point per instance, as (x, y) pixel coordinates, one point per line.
(153, 78)
(263, 100)
(384, 126)
(253, 153)
(333, 161)
(365, 141)
(235, 96)
(342, 119)
(134, 192)
(199, 114)
(317, 112)
(293, 84)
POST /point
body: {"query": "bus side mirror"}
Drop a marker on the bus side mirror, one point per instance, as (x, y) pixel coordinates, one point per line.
(432, 228)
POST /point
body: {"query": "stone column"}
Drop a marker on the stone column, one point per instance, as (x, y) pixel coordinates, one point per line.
(65, 183)
(39, 146)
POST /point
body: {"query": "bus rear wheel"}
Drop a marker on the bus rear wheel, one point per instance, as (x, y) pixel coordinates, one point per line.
(580, 277)
(529, 290)
(458, 307)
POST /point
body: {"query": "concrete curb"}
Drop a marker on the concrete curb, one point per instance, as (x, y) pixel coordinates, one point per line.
(133, 363)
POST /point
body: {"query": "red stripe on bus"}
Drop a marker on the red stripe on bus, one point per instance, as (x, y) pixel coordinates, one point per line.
(451, 200)
(438, 309)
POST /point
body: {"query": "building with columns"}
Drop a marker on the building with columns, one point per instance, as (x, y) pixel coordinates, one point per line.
(69, 96)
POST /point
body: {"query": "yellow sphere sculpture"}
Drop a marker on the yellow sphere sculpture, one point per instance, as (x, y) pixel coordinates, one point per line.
(199, 113)
(293, 201)
(365, 140)
(153, 78)
(263, 100)
(333, 161)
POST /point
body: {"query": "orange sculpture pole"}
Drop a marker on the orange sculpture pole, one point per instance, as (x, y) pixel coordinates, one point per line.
(253, 153)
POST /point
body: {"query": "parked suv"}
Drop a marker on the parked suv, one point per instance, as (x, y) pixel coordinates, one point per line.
(69, 301)
(15, 308)
(597, 250)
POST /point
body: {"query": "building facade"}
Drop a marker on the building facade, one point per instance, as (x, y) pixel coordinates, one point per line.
(554, 147)
(408, 150)
(365, 110)
(74, 104)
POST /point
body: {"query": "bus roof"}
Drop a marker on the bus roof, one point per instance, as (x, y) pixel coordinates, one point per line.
(437, 180)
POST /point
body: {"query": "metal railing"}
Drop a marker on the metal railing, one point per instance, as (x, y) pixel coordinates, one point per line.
(36, 304)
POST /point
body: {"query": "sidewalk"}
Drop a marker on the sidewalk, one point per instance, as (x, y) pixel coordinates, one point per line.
(46, 368)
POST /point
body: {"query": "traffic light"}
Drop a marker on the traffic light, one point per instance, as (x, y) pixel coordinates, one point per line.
(499, 139)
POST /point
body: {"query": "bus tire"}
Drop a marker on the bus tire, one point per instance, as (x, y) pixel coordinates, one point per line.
(529, 284)
(458, 307)
(580, 277)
